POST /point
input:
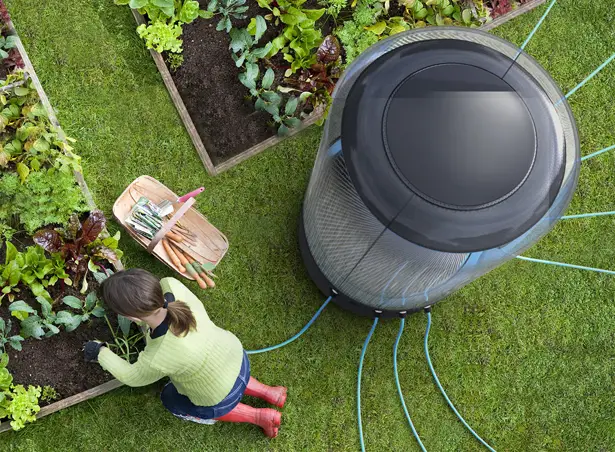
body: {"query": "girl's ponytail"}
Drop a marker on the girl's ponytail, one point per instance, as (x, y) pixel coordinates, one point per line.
(181, 319)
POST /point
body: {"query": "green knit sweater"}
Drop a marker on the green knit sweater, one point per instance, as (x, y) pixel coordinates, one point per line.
(203, 365)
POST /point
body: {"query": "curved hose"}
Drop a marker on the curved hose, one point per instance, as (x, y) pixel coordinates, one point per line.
(401, 396)
(296, 336)
(450, 404)
(367, 339)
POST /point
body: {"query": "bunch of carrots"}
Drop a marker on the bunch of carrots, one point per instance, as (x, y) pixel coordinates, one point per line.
(183, 260)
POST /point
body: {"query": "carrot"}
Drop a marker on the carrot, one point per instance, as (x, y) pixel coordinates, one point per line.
(169, 249)
(174, 236)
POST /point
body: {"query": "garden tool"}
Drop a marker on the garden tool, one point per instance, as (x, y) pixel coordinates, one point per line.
(165, 207)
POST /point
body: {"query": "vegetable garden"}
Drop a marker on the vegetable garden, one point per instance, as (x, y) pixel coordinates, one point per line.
(275, 63)
(244, 72)
(55, 251)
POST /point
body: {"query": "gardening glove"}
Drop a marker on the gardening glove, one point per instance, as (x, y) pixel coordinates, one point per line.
(91, 350)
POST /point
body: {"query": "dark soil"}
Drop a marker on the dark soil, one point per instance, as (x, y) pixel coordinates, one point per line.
(57, 361)
(208, 83)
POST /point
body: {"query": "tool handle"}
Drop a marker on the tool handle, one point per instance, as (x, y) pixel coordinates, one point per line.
(192, 194)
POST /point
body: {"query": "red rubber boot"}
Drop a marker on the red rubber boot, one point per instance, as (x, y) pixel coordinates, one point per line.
(266, 418)
(275, 395)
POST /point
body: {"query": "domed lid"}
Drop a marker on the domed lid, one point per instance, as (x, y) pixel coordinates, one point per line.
(451, 145)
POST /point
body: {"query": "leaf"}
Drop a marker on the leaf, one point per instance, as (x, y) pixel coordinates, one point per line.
(136, 4)
(124, 324)
(268, 78)
(45, 307)
(421, 14)
(11, 42)
(291, 106)
(21, 306)
(98, 311)
(104, 252)
(205, 14)
(2, 327)
(378, 28)
(38, 290)
(92, 227)
(3, 54)
(261, 27)
(11, 253)
(329, 50)
(466, 15)
(166, 6)
(272, 97)
(69, 320)
(23, 171)
(32, 327)
(73, 302)
(21, 91)
(90, 301)
(52, 329)
(283, 130)
(292, 122)
(212, 6)
(439, 20)
(48, 239)
(15, 342)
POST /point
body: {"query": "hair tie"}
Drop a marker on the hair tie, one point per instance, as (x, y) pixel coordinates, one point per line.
(165, 304)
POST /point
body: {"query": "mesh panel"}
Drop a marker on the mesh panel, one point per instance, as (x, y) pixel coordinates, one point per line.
(373, 265)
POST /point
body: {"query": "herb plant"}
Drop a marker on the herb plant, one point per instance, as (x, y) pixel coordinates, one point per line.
(161, 36)
(228, 9)
(49, 394)
(90, 307)
(28, 139)
(7, 339)
(79, 243)
(334, 7)
(47, 197)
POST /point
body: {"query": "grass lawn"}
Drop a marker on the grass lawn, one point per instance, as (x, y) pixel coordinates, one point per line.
(526, 352)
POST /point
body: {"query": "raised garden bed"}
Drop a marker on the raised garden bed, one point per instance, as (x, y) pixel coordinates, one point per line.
(218, 111)
(42, 293)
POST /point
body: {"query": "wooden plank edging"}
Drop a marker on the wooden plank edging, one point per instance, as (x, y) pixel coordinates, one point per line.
(272, 141)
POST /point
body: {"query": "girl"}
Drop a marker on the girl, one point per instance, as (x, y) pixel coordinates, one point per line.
(208, 367)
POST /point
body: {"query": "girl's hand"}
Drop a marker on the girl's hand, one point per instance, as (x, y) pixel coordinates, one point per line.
(91, 350)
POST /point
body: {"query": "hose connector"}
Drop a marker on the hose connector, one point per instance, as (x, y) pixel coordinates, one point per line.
(427, 309)
(377, 313)
(402, 314)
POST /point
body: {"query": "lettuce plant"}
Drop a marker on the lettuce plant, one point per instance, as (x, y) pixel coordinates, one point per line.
(32, 269)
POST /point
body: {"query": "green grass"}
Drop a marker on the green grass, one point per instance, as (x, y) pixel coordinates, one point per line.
(525, 352)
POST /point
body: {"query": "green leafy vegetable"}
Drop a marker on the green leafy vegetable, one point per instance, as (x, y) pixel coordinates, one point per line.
(7, 339)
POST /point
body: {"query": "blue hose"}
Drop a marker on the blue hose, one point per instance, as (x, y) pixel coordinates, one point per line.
(296, 336)
(435, 377)
(401, 396)
(367, 339)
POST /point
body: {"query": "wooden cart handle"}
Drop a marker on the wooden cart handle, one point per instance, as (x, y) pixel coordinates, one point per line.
(169, 224)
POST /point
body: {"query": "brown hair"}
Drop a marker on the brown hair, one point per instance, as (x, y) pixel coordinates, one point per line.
(137, 293)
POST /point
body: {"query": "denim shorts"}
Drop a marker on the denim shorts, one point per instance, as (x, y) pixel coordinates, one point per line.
(181, 406)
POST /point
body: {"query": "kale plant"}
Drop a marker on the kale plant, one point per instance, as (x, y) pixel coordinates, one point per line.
(33, 325)
(7, 339)
(90, 307)
(228, 9)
